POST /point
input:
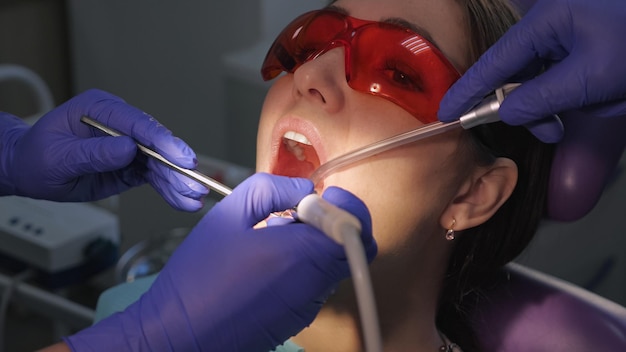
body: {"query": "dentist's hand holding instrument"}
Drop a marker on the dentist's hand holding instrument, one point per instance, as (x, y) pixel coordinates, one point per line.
(62, 159)
(580, 43)
(231, 287)
(191, 173)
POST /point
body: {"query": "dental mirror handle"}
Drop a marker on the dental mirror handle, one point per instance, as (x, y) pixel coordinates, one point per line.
(192, 174)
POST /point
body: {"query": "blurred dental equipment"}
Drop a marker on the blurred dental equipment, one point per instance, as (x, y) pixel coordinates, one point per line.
(485, 112)
(345, 229)
(38, 87)
(193, 174)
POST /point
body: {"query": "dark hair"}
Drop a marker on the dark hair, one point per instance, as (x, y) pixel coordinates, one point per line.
(481, 252)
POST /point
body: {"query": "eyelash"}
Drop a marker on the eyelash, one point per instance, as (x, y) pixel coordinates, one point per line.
(406, 80)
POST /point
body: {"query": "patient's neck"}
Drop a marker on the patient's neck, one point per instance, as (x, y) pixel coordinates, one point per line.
(406, 314)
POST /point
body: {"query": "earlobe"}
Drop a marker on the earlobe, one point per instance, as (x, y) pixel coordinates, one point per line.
(481, 195)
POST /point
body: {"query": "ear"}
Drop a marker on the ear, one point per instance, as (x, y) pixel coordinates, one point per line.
(481, 195)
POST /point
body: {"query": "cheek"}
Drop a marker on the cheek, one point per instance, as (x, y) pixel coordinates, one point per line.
(405, 190)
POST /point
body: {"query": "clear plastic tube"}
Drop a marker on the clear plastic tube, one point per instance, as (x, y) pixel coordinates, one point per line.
(378, 147)
(485, 112)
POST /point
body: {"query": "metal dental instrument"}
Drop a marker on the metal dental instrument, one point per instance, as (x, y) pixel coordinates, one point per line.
(485, 112)
(193, 174)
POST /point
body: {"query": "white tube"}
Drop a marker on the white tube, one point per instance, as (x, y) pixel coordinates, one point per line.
(345, 229)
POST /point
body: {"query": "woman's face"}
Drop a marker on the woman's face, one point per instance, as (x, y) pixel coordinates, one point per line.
(405, 189)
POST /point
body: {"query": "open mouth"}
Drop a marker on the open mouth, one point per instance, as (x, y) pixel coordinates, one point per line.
(296, 156)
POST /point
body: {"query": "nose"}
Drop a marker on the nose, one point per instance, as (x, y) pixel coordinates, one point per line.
(323, 80)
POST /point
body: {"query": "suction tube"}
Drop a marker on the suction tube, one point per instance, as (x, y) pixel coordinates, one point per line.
(386, 144)
(485, 112)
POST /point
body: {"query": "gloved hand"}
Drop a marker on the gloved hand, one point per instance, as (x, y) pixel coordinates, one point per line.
(62, 159)
(230, 287)
(581, 43)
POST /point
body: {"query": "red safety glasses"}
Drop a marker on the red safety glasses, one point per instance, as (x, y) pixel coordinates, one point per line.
(382, 59)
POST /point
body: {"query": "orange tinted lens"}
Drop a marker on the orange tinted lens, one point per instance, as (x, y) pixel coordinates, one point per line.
(401, 66)
(302, 40)
(386, 60)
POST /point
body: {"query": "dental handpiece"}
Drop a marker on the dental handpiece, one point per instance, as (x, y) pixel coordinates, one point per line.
(485, 112)
(193, 174)
(345, 229)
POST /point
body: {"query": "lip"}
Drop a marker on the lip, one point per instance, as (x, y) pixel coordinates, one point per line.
(298, 125)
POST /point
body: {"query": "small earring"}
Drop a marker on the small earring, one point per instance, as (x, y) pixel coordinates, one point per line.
(450, 233)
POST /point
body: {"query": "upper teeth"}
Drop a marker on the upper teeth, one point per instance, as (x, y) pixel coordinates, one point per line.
(297, 137)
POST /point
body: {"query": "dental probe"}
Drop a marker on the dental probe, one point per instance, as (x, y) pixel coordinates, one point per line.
(345, 229)
(193, 174)
(485, 112)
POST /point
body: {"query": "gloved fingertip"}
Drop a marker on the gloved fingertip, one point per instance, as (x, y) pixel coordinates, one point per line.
(197, 188)
(548, 130)
(465, 93)
(279, 221)
(303, 184)
(167, 178)
(189, 205)
(333, 191)
(449, 110)
(342, 197)
(178, 152)
(294, 186)
(444, 116)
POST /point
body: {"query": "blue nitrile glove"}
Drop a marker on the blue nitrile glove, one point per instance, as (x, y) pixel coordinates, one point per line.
(230, 287)
(582, 44)
(62, 159)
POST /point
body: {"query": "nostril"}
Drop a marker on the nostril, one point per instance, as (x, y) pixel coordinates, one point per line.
(316, 93)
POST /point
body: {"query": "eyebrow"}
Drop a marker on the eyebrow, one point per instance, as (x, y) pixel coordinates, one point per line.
(391, 20)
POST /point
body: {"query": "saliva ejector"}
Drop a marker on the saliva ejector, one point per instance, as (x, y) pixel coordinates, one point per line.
(485, 112)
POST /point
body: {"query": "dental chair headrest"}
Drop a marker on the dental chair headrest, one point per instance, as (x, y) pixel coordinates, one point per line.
(527, 310)
(584, 162)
